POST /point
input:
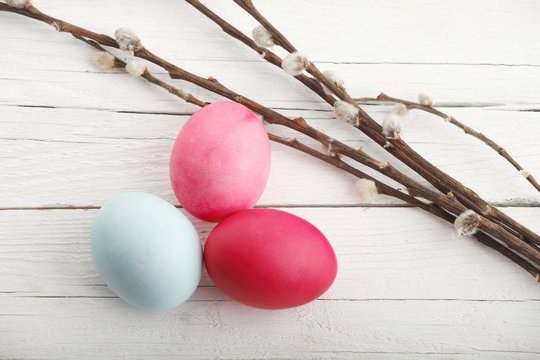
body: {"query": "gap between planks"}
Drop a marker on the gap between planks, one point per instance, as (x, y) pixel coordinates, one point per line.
(440, 105)
(290, 206)
(15, 294)
(247, 61)
(518, 204)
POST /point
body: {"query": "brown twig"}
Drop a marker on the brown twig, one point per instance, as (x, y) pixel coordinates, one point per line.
(400, 149)
(466, 129)
(298, 124)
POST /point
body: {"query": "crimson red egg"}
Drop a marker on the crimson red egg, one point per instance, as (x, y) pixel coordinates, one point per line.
(269, 259)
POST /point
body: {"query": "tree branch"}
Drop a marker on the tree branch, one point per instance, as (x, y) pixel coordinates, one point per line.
(466, 129)
(444, 203)
(399, 148)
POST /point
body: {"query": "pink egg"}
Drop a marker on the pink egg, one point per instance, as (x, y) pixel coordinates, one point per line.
(220, 161)
(269, 259)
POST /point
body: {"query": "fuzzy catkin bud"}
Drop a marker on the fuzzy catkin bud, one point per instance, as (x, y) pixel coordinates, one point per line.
(346, 112)
(367, 189)
(392, 126)
(18, 4)
(334, 78)
(295, 63)
(400, 110)
(136, 68)
(425, 99)
(262, 37)
(467, 223)
(127, 39)
(104, 61)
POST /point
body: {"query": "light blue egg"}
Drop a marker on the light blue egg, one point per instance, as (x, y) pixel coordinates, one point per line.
(146, 251)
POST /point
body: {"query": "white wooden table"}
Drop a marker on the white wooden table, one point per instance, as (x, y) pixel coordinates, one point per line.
(72, 137)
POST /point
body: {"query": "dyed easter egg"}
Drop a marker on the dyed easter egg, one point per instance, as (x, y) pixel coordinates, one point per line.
(220, 161)
(146, 251)
(269, 259)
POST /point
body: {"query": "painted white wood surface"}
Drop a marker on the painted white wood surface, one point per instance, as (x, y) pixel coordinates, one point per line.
(72, 137)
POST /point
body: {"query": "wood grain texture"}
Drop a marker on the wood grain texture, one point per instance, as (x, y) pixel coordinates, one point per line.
(85, 157)
(510, 87)
(107, 329)
(72, 137)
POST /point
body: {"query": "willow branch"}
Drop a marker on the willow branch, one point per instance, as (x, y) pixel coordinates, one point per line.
(466, 129)
(298, 124)
(399, 148)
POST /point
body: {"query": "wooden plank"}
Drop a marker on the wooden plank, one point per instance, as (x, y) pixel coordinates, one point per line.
(84, 87)
(342, 31)
(411, 256)
(75, 157)
(56, 328)
(407, 286)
